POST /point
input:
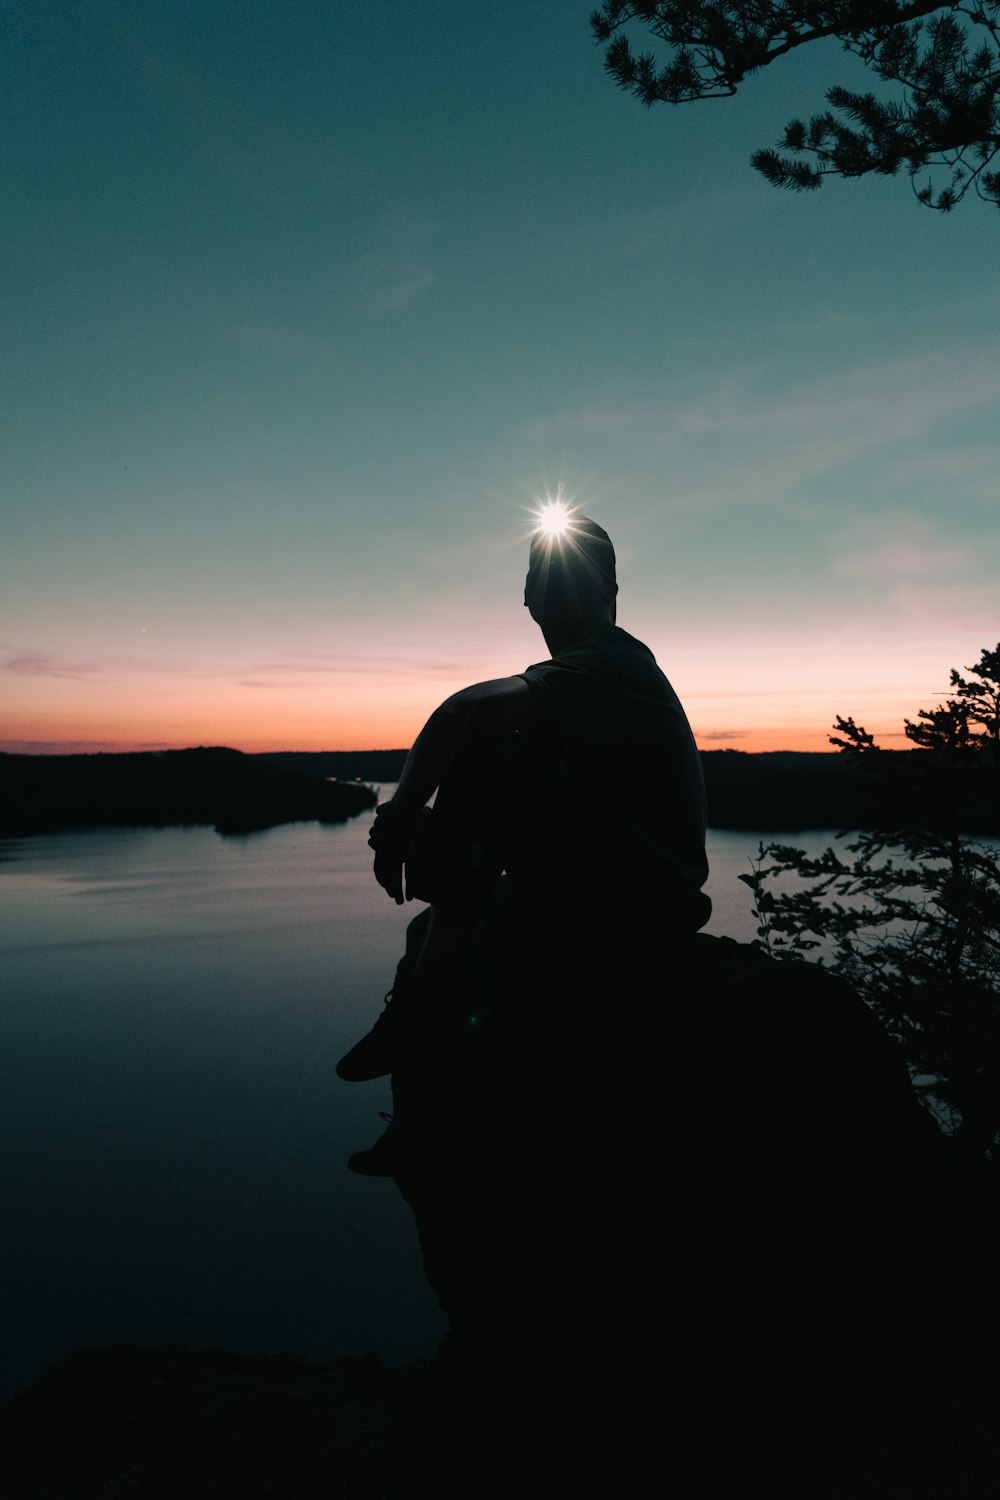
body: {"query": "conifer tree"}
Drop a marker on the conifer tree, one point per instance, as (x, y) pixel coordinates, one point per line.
(940, 64)
(909, 911)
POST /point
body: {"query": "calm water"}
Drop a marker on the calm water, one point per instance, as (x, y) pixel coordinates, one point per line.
(173, 1133)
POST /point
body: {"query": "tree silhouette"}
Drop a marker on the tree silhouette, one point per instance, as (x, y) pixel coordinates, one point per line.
(910, 913)
(941, 63)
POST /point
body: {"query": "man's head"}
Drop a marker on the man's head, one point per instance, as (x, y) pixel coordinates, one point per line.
(571, 585)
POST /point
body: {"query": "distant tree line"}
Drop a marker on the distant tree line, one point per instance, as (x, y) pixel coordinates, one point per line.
(231, 792)
(778, 791)
(346, 765)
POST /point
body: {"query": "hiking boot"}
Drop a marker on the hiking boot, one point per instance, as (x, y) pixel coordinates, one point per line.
(382, 1159)
(413, 1022)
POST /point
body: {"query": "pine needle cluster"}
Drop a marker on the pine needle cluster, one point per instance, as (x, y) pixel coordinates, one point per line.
(939, 65)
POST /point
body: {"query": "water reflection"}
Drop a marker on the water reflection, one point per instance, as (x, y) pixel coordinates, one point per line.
(174, 1135)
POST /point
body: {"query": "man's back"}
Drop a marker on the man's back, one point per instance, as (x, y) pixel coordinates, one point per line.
(618, 788)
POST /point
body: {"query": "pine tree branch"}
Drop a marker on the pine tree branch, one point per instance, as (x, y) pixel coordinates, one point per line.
(949, 118)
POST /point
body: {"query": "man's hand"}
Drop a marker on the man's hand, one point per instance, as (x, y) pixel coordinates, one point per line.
(391, 836)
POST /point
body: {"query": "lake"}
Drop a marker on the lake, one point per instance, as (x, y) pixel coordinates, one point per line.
(173, 1132)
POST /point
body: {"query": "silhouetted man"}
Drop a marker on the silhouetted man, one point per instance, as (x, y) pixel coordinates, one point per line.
(579, 778)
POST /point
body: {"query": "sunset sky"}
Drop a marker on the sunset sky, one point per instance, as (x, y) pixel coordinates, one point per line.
(306, 305)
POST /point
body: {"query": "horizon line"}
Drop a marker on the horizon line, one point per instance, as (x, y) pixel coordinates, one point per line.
(53, 748)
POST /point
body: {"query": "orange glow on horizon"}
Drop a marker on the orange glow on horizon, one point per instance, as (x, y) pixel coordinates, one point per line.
(758, 741)
(122, 731)
(305, 706)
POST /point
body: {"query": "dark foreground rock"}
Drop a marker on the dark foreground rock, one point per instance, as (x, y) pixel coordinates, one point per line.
(694, 1235)
(689, 1208)
(159, 1423)
(183, 1424)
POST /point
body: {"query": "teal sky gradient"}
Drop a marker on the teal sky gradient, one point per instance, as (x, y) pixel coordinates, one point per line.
(305, 302)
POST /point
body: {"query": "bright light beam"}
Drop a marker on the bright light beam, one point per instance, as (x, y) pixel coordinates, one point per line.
(554, 519)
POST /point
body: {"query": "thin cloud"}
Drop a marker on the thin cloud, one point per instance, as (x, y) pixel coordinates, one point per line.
(327, 664)
(856, 409)
(972, 466)
(52, 664)
(968, 609)
(897, 545)
(751, 437)
(903, 557)
(397, 292)
(276, 673)
(42, 664)
(309, 669)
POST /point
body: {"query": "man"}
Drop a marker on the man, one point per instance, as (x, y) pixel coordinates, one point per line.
(539, 775)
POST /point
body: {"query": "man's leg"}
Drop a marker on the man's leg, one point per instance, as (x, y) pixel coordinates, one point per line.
(454, 864)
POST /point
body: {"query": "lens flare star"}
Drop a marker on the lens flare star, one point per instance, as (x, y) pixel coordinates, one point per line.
(554, 518)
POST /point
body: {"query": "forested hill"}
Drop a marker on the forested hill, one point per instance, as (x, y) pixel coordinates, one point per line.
(231, 792)
(787, 791)
(783, 791)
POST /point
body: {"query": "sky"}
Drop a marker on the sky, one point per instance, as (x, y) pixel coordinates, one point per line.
(307, 306)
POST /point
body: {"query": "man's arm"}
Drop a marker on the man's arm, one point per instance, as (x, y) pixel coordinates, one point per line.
(499, 706)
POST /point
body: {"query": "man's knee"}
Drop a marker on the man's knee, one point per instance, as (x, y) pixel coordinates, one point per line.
(455, 861)
(463, 845)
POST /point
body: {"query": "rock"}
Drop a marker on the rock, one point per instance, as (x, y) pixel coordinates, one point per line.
(701, 1202)
(149, 1424)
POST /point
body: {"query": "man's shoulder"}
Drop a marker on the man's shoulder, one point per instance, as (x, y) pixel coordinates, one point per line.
(612, 643)
(600, 649)
(607, 667)
(495, 690)
(617, 639)
(501, 704)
